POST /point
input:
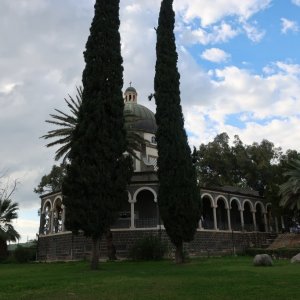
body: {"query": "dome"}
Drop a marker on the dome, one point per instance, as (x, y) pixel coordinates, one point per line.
(130, 89)
(144, 119)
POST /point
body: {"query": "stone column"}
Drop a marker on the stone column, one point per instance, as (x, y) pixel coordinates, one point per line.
(266, 222)
(282, 223)
(242, 218)
(228, 219)
(42, 223)
(200, 223)
(215, 218)
(132, 226)
(254, 220)
(51, 220)
(63, 217)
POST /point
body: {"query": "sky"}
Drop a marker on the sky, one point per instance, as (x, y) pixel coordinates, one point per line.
(239, 63)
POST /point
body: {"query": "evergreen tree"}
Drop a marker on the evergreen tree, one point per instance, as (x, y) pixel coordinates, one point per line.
(95, 184)
(178, 195)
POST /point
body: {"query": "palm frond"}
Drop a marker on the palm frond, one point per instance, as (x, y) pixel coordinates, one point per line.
(8, 213)
(67, 122)
(290, 190)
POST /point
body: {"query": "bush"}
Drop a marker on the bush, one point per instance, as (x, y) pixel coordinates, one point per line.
(148, 248)
(23, 255)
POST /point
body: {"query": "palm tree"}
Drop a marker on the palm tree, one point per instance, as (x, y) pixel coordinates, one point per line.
(67, 122)
(8, 213)
(290, 190)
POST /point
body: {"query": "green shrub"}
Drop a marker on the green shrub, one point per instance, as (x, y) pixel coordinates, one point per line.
(22, 254)
(148, 248)
(9, 260)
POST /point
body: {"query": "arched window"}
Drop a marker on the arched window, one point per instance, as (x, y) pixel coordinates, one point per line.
(46, 226)
(153, 140)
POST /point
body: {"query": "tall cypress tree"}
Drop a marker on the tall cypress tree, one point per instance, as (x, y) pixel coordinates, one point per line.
(178, 194)
(95, 184)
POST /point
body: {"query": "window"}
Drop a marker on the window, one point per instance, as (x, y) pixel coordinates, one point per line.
(153, 140)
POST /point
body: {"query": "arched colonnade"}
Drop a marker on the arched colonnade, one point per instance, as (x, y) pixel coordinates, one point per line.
(220, 211)
(52, 216)
(224, 212)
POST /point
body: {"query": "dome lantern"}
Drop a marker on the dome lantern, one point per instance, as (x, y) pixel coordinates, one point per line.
(130, 95)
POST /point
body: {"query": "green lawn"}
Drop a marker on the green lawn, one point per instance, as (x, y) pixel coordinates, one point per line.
(213, 278)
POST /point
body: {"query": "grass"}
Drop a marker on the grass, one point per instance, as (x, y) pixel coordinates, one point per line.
(213, 278)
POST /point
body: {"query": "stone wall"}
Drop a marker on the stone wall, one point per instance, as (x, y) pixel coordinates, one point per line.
(65, 246)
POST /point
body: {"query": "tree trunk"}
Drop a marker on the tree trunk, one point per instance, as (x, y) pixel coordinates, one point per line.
(3, 249)
(179, 253)
(95, 254)
(111, 249)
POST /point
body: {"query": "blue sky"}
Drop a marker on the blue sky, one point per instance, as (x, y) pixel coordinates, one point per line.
(239, 62)
(274, 45)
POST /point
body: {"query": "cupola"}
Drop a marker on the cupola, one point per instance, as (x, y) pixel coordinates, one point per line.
(130, 95)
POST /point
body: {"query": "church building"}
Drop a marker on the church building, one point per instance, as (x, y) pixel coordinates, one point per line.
(232, 219)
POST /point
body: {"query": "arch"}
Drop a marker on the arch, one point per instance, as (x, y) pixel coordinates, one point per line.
(250, 204)
(224, 200)
(145, 208)
(57, 198)
(234, 199)
(46, 217)
(221, 212)
(207, 217)
(57, 215)
(210, 198)
(248, 216)
(269, 204)
(235, 214)
(45, 204)
(144, 188)
(261, 205)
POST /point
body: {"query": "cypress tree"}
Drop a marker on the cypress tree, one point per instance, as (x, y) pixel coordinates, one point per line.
(95, 184)
(178, 194)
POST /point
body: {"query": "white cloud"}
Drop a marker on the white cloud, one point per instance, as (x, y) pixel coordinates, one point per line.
(216, 34)
(215, 55)
(253, 33)
(7, 88)
(268, 105)
(296, 2)
(27, 228)
(288, 25)
(213, 11)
